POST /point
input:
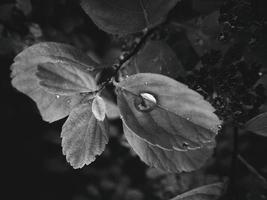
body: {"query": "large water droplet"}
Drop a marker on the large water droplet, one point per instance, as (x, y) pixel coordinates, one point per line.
(185, 145)
(145, 102)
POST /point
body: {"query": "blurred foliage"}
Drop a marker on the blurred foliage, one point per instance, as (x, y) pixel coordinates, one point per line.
(233, 48)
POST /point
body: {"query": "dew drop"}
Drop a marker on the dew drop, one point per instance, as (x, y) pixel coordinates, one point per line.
(145, 102)
(121, 57)
(185, 145)
(57, 96)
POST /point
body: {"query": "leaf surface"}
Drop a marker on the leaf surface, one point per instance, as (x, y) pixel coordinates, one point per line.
(127, 16)
(179, 120)
(156, 57)
(83, 136)
(258, 124)
(168, 160)
(52, 107)
(99, 108)
(64, 79)
(206, 192)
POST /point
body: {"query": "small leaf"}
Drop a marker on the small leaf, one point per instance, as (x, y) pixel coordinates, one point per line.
(99, 108)
(83, 136)
(180, 115)
(258, 124)
(206, 192)
(64, 79)
(52, 107)
(156, 57)
(127, 16)
(167, 160)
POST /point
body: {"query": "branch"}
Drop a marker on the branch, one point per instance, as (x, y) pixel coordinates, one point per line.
(126, 56)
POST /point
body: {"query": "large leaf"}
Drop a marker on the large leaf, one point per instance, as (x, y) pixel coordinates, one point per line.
(156, 57)
(166, 113)
(206, 192)
(258, 124)
(52, 107)
(83, 136)
(168, 160)
(127, 16)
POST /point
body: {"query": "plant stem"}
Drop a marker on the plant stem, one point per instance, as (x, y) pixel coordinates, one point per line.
(117, 66)
(252, 169)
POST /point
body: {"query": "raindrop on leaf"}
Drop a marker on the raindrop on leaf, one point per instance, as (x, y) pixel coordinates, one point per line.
(145, 102)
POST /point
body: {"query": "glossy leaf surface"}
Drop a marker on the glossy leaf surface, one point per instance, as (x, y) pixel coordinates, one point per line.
(168, 160)
(179, 120)
(52, 107)
(99, 108)
(64, 79)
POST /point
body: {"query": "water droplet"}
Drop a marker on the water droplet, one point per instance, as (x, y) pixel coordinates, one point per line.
(187, 118)
(57, 96)
(121, 57)
(260, 73)
(185, 145)
(145, 102)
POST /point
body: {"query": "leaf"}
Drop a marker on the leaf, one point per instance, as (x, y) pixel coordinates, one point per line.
(203, 33)
(25, 6)
(99, 108)
(83, 136)
(127, 16)
(167, 160)
(206, 192)
(64, 79)
(52, 107)
(52, 52)
(258, 124)
(179, 120)
(156, 57)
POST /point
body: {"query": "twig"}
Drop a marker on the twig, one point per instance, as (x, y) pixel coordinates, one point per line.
(126, 57)
(252, 169)
(145, 13)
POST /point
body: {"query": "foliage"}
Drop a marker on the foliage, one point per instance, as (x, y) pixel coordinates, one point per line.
(175, 78)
